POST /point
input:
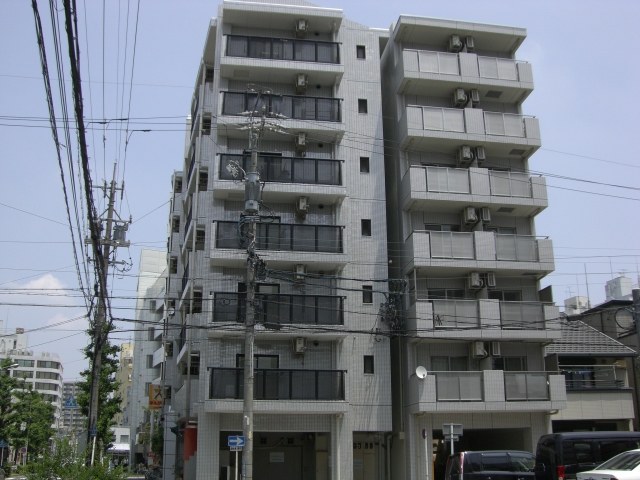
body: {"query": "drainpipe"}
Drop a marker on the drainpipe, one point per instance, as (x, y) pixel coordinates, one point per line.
(389, 438)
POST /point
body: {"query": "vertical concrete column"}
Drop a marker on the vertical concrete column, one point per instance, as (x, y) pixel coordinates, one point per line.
(208, 458)
(341, 447)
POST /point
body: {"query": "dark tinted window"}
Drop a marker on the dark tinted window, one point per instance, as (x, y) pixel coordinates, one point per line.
(455, 465)
(495, 462)
(521, 462)
(611, 448)
(583, 452)
(474, 462)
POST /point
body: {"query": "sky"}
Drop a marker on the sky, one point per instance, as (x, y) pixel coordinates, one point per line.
(586, 72)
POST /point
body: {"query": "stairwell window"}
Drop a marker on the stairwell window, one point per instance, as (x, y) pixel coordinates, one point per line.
(175, 224)
(362, 105)
(365, 225)
(364, 164)
(173, 265)
(368, 364)
(361, 52)
(200, 237)
(206, 126)
(367, 294)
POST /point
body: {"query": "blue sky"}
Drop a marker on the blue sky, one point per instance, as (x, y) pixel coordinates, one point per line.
(586, 73)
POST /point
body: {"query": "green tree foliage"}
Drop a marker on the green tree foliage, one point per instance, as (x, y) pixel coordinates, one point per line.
(7, 385)
(62, 462)
(109, 399)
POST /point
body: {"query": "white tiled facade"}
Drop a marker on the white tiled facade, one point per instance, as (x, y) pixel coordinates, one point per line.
(461, 207)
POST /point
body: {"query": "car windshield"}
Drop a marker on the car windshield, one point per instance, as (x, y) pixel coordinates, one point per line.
(624, 461)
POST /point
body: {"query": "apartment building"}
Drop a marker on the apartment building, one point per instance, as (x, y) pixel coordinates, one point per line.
(461, 207)
(322, 396)
(124, 376)
(42, 370)
(73, 422)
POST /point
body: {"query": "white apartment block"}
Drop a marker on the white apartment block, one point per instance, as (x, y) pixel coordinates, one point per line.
(461, 207)
(72, 419)
(323, 388)
(42, 370)
(124, 375)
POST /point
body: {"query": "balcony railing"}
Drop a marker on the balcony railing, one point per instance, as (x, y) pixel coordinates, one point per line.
(510, 184)
(458, 245)
(593, 377)
(455, 314)
(279, 384)
(282, 49)
(280, 308)
(516, 248)
(322, 109)
(285, 236)
(522, 315)
(314, 171)
(526, 386)
(187, 222)
(504, 124)
(458, 386)
(192, 165)
(498, 68)
(185, 276)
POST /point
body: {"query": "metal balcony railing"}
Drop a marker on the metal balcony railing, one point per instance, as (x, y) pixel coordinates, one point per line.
(279, 384)
(526, 386)
(192, 165)
(459, 386)
(284, 236)
(185, 276)
(280, 308)
(323, 109)
(593, 377)
(315, 171)
(188, 221)
(283, 49)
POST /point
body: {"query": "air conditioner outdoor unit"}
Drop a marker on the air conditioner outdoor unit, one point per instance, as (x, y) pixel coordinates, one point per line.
(485, 214)
(477, 350)
(475, 97)
(495, 349)
(474, 281)
(299, 345)
(301, 141)
(300, 272)
(302, 205)
(470, 44)
(302, 27)
(459, 97)
(465, 156)
(302, 81)
(455, 44)
(469, 216)
(481, 155)
(491, 279)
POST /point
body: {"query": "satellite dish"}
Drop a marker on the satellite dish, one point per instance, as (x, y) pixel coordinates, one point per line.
(421, 372)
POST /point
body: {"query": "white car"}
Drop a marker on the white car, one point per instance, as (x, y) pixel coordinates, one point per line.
(625, 466)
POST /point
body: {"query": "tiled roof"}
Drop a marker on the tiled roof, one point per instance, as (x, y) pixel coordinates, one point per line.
(578, 338)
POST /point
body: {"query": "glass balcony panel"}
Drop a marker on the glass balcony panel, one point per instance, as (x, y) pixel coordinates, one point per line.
(228, 307)
(449, 63)
(328, 172)
(537, 388)
(303, 385)
(224, 383)
(526, 386)
(520, 184)
(328, 309)
(304, 238)
(452, 180)
(237, 46)
(327, 52)
(329, 239)
(447, 386)
(304, 108)
(494, 123)
(304, 309)
(522, 315)
(271, 384)
(330, 385)
(513, 126)
(258, 384)
(328, 110)
(488, 67)
(282, 49)
(453, 120)
(304, 172)
(428, 62)
(471, 386)
(455, 313)
(510, 184)
(227, 235)
(506, 69)
(234, 103)
(305, 51)
(451, 245)
(260, 47)
(432, 118)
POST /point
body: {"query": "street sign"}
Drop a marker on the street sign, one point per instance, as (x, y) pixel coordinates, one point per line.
(155, 397)
(93, 431)
(70, 402)
(235, 441)
(235, 449)
(3, 444)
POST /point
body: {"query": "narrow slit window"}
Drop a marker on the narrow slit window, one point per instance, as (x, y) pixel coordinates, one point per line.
(368, 364)
(362, 105)
(367, 294)
(361, 52)
(366, 227)
(364, 164)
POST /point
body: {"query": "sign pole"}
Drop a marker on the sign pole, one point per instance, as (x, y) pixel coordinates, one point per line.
(451, 430)
(236, 469)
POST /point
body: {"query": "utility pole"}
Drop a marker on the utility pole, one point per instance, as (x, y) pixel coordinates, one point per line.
(100, 333)
(252, 199)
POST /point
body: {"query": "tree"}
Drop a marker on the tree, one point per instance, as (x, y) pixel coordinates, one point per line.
(7, 385)
(30, 420)
(109, 399)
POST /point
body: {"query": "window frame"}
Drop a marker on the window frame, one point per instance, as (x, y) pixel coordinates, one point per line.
(365, 165)
(361, 52)
(368, 365)
(363, 106)
(366, 227)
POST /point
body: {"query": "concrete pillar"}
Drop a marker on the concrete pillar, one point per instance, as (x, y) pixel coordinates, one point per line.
(208, 459)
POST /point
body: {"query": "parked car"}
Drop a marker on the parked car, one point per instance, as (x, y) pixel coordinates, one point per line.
(561, 456)
(490, 465)
(625, 466)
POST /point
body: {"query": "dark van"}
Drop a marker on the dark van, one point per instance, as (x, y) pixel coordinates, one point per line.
(490, 465)
(560, 456)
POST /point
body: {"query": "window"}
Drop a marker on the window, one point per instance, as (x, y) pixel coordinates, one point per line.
(364, 164)
(197, 301)
(208, 76)
(200, 237)
(495, 462)
(365, 225)
(124, 438)
(446, 294)
(149, 361)
(206, 126)
(152, 307)
(150, 334)
(113, 438)
(362, 105)
(501, 230)
(177, 185)
(449, 364)
(48, 364)
(175, 225)
(203, 180)
(47, 375)
(361, 52)
(46, 386)
(25, 363)
(510, 364)
(506, 295)
(22, 374)
(260, 362)
(432, 227)
(173, 265)
(169, 349)
(367, 294)
(147, 386)
(195, 364)
(368, 364)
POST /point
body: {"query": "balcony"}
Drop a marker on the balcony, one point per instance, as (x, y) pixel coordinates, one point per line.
(320, 115)
(288, 244)
(280, 309)
(439, 188)
(289, 177)
(427, 72)
(482, 319)
(278, 390)
(594, 377)
(479, 250)
(487, 390)
(447, 128)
